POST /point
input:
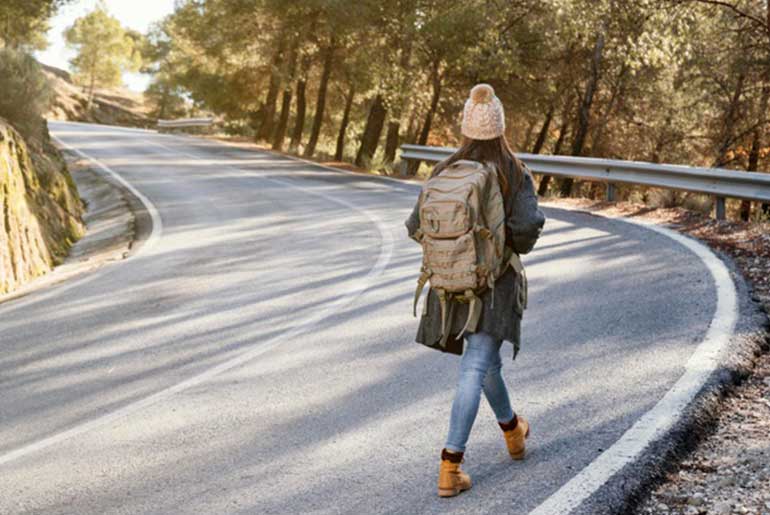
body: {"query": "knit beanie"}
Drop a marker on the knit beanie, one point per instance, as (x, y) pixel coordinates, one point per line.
(483, 115)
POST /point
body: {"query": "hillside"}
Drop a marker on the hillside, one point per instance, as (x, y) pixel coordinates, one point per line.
(41, 210)
(111, 107)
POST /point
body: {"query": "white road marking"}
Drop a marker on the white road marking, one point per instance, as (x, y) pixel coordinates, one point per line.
(107, 268)
(652, 425)
(704, 360)
(668, 410)
(157, 224)
(347, 297)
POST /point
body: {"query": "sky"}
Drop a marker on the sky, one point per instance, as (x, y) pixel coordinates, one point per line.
(135, 14)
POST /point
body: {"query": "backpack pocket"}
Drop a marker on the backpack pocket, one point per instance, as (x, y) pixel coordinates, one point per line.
(452, 262)
(445, 219)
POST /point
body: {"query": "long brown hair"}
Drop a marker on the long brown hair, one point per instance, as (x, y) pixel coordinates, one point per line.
(496, 151)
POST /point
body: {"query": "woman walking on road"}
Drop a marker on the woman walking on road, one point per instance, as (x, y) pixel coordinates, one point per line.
(475, 215)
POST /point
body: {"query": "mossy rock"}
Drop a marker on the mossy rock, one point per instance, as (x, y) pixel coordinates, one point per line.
(40, 208)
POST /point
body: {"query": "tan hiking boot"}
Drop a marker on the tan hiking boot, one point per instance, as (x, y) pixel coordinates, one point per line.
(452, 480)
(515, 432)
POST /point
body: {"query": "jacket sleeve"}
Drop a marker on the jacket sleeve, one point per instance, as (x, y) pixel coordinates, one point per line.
(525, 220)
(413, 222)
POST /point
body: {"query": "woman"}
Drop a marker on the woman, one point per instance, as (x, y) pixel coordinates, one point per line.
(483, 127)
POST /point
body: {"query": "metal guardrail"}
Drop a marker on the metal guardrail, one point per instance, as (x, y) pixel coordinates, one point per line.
(185, 122)
(713, 181)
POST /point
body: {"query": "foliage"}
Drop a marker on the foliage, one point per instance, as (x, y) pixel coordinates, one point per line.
(26, 94)
(104, 50)
(23, 23)
(683, 81)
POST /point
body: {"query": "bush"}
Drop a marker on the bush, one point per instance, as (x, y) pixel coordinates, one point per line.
(25, 93)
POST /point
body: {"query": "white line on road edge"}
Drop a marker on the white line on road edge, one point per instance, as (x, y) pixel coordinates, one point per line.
(10, 302)
(157, 224)
(704, 360)
(386, 251)
(651, 426)
(110, 128)
(668, 411)
(662, 417)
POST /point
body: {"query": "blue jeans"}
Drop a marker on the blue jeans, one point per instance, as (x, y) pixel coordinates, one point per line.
(479, 371)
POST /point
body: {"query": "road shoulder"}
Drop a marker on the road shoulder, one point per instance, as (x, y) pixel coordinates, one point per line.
(115, 226)
(695, 420)
(646, 485)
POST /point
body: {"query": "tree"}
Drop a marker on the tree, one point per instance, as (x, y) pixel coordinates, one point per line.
(26, 92)
(164, 94)
(104, 50)
(23, 23)
(656, 80)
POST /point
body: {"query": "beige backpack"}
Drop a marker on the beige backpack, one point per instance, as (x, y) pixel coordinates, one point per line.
(462, 233)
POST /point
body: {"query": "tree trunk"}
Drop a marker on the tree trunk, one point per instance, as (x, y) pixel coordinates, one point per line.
(757, 137)
(411, 127)
(340, 150)
(661, 142)
(436, 81)
(543, 134)
(543, 187)
(435, 97)
(91, 85)
(584, 112)
(394, 125)
(527, 134)
(283, 119)
(267, 110)
(162, 103)
(731, 117)
(751, 167)
(299, 121)
(617, 95)
(372, 131)
(321, 101)
(391, 141)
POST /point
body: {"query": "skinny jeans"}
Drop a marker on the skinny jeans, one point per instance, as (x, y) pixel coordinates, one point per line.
(479, 371)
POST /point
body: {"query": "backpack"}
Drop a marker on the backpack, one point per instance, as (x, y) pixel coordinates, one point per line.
(462, 233)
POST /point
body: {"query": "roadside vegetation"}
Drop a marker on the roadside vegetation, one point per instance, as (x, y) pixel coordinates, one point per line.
(105, 49)
(39, 203)
(679, 81)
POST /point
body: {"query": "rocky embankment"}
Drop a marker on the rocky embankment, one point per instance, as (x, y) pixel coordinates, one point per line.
(41, 210)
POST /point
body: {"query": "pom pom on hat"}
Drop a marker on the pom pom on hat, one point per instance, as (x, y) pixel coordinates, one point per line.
(483, 115)
(482, 94)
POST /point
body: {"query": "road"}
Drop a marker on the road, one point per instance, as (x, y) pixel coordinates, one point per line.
(258, 357)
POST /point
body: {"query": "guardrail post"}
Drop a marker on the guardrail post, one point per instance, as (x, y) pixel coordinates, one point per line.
(720, 208)
(610, 192)
(404, 168)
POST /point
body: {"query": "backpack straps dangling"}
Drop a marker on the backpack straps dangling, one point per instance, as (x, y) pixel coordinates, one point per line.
(474, 312)
(420, 285)
(442, 300)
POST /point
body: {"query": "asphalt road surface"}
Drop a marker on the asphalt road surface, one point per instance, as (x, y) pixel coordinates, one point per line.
(259, 356)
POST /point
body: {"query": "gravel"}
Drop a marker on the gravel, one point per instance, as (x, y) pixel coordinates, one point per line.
(729, 472)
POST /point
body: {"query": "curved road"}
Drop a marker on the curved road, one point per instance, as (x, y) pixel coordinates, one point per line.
(259, 356)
